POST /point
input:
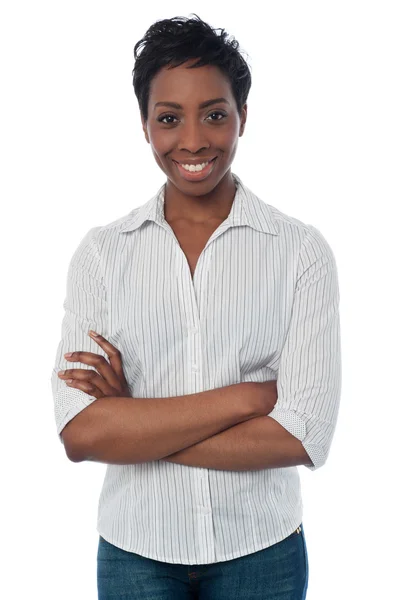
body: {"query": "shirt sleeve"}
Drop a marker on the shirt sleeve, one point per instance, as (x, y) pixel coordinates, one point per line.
(85, 308)
(309, 376)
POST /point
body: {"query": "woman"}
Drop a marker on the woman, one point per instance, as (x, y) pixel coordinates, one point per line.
(224, 313)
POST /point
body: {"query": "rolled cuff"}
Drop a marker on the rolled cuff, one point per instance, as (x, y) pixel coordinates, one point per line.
(68, 403)
(312, 432)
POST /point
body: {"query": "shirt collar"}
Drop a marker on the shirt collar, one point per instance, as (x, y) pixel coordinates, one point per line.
(247, 209)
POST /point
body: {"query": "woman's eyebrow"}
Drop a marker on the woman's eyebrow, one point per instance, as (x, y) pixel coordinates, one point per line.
(202, 105)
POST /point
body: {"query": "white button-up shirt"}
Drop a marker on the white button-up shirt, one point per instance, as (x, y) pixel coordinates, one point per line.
(263, 304)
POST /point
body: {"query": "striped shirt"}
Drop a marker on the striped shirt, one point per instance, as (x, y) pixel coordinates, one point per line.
(263, 304)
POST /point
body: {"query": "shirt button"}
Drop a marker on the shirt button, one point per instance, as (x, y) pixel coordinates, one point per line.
(194, 368)
(192, 329)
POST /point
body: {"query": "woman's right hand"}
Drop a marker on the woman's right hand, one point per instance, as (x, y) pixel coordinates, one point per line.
(267, 396)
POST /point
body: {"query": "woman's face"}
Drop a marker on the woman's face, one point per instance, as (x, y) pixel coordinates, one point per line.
(191, 134)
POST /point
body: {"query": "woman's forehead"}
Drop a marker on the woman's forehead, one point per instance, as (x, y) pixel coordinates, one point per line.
(184, 85)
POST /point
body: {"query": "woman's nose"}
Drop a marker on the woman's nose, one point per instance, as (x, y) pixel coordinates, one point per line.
(192, 138)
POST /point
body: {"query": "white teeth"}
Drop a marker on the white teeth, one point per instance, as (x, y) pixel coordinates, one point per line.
(195, 167)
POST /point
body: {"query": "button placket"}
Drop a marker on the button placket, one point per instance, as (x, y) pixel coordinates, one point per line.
(193, 345)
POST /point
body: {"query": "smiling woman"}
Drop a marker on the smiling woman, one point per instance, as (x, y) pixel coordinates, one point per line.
(203, 80)
(199, 295)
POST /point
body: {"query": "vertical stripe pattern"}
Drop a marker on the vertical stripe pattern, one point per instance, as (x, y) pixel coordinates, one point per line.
(263, 304)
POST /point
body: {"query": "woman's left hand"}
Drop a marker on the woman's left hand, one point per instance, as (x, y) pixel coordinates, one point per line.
(106, 380)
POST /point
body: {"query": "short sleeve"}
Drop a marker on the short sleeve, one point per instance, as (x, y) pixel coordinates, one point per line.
(85, 308)
(309, 375)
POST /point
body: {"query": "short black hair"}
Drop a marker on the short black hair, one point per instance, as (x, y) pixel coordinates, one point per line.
(171, 42)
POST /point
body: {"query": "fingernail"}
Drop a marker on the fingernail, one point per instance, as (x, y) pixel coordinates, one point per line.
(68, 354)
(93, 333)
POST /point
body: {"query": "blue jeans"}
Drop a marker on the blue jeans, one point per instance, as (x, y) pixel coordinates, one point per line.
(277, 572)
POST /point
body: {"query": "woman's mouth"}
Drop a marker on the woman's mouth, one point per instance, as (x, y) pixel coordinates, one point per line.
(196, 175)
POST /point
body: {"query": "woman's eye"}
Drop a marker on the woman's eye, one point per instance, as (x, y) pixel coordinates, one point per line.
(161, 119)
(216, 112)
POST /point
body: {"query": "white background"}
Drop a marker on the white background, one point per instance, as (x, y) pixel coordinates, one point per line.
(321, 144)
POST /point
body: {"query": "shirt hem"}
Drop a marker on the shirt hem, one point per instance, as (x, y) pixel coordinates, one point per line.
(231, 556)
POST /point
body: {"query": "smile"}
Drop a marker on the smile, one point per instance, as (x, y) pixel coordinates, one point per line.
(195, 175)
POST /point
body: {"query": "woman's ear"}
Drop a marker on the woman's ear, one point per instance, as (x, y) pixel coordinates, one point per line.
(144, 125)
(243, 119)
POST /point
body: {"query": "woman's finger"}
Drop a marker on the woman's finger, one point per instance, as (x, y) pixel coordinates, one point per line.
(114, 355)
(85, 386)
(89, 377)
(100, 363)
